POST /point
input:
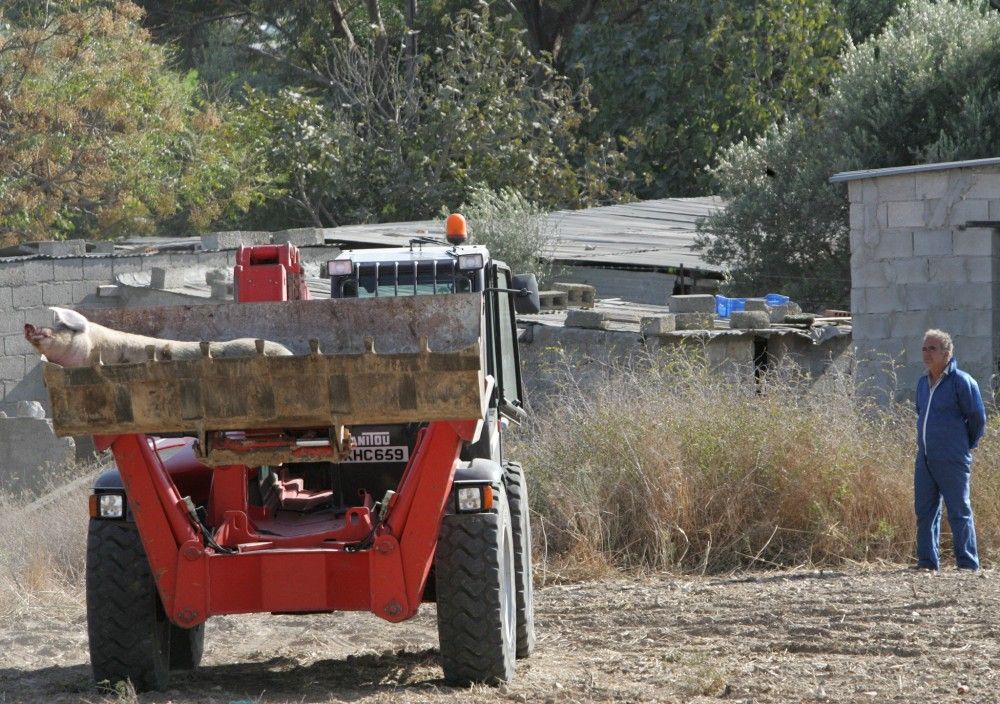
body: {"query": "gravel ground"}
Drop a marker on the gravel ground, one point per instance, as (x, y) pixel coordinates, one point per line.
(865, 635)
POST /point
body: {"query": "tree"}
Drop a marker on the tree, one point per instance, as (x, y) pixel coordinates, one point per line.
(100, 138)
(372, 146)
(926, 89)
(685, 78)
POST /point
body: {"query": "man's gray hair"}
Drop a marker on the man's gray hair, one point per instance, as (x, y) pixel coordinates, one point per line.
(944, 338)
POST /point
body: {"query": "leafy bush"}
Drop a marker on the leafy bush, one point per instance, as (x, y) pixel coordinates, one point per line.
(924, 90)
(685, 78)
(673, 465)
(514, 230)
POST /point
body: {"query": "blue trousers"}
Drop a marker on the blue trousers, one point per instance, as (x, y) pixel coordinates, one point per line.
(950, 480)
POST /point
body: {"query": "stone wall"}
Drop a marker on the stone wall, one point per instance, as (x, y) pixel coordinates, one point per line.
(915, 265)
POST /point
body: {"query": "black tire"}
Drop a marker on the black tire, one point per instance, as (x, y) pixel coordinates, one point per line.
(520, 523)
(476, 602)
(186, 646)
(128, 630)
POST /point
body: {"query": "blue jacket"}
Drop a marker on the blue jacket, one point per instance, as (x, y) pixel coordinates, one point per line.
(955, 420)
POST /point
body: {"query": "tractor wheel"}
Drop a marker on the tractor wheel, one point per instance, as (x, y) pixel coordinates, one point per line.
(127, 626)
(517, 499)
(476, 601)
(186, 646)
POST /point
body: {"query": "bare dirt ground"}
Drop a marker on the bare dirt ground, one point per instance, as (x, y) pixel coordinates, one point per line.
(872, 635)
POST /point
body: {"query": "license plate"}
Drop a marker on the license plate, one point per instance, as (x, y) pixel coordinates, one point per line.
(391, 453)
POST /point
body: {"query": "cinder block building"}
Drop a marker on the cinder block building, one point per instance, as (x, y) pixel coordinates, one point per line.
(925, 253)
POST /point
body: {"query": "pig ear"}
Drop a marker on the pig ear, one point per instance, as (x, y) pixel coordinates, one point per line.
(70, 318)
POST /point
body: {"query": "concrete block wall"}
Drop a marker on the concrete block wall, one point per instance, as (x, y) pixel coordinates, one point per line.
(915, 265)
(69, 279)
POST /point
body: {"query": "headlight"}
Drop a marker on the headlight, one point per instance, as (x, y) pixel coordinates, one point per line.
(339, 267)
(468, 262)
(107, 506)
(473, 499)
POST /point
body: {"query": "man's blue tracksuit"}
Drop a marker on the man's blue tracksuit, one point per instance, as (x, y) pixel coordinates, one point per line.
(950, 421)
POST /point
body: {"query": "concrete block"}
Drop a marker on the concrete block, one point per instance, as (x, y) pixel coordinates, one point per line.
(220, 290)
(11, 321)
(995, 209)
(38, 270)
(855, 192)
(67, 269)
(908, 324)
(30, 409)
(27, 296)
(756, 304)
(898, 188)
(933, 184)
(31, 447)
(858, 240)
(870, 274)
(62, 248)
(652, 325)
(696, 303)
(905, 214)
(965, 210)
(6, 297)
(161, 278)
(749, 320)
(300, 237)
(894, 245)
(590, 319)
(109, 291)
(102, 247)
(215, 259)
(82, 289)
(883, 300)
(924, 297)
(856, 218)
(967, 296)
(778, 313)
(12, 367)
(552, 300)
(57, 294)
(14, 345)
(914, 270)
(869, 191)
(932, 243)
(984, 185)
(976, 242)
(581, 295)
(857, 299)
(12, 274)
(870, 327)
(215, 241)
(98, 269)
(694, 320)
(946, 270)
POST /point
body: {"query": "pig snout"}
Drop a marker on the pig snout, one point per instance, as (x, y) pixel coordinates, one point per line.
(34, 335)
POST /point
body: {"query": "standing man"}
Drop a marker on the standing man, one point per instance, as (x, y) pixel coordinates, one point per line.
(950, 422)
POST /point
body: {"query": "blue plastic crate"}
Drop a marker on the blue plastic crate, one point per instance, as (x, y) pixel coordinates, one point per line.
(776, 299)
(724, 306)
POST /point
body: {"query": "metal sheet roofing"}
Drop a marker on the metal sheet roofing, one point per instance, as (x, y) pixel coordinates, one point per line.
(652, 234)
(845, 176)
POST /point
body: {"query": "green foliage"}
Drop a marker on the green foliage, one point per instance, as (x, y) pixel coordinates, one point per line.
(686, 78)
(378, 146)
(515, 231)
(100, 138)
(924, 90)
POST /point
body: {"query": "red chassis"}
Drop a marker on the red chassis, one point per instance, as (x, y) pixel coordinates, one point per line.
(275, 563)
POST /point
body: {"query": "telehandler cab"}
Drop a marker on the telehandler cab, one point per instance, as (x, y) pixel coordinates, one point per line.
(365, 472)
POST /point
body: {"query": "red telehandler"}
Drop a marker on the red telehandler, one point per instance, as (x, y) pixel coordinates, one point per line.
(367, 471)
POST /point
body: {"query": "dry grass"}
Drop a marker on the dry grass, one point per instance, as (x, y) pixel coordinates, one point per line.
(673, 466)
(43, 542)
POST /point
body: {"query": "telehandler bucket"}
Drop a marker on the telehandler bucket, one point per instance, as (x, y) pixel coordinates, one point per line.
(354, 362)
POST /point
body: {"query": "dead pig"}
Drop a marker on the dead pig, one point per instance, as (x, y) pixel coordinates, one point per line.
(74, 341)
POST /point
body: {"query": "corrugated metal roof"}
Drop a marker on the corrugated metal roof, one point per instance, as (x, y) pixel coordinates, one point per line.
(652, 234)
(844, 176)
